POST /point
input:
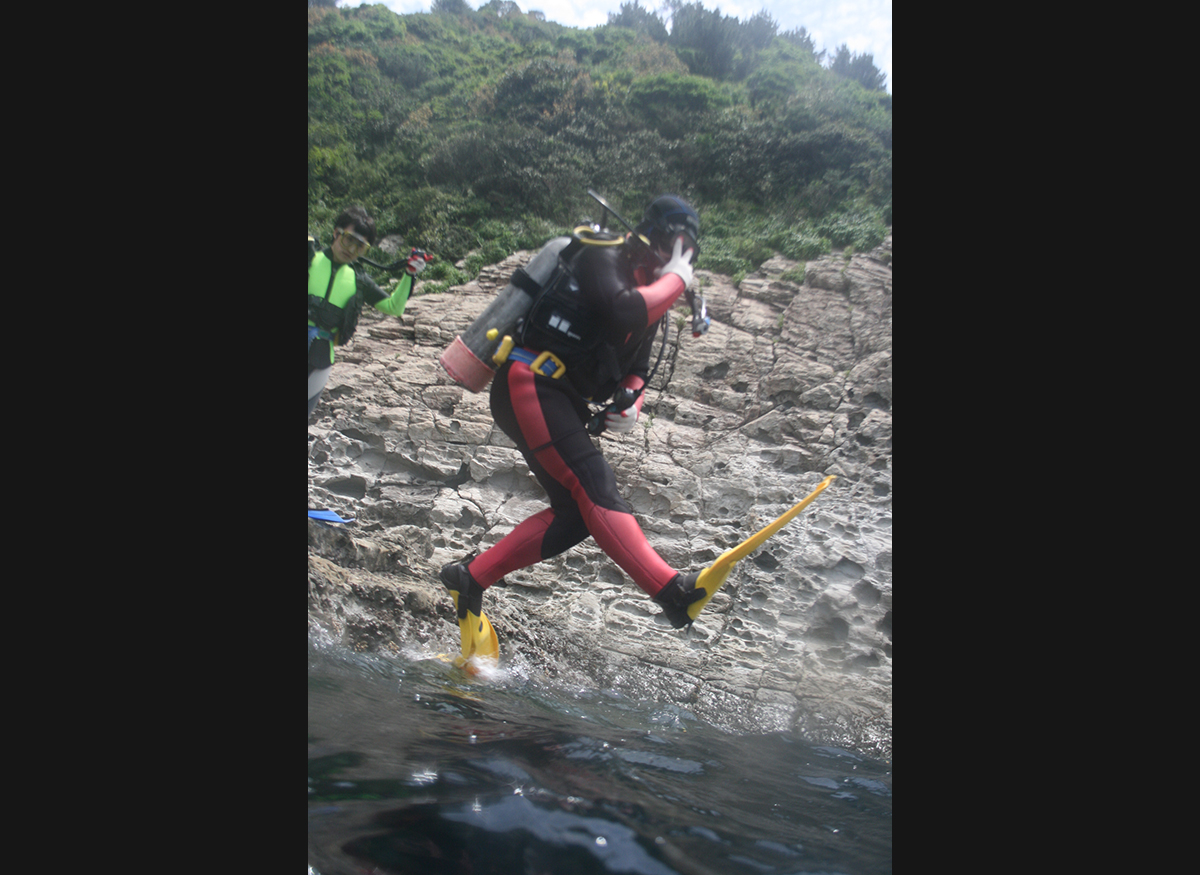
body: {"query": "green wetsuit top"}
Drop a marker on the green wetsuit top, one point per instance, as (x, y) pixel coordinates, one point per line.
(340, 283)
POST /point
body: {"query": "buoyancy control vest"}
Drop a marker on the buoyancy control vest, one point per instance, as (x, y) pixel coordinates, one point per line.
(559, 321)
(540, 308)
(334, 304)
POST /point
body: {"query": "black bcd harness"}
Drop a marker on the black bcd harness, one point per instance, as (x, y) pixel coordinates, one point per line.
(341, 322)
(558, 322)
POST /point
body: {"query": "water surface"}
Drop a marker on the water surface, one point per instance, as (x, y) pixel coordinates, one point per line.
(414, 768)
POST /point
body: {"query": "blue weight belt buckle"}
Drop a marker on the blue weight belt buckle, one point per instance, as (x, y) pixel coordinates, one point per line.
(314, 333)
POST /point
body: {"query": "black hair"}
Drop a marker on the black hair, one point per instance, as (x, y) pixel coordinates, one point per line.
(357, 220)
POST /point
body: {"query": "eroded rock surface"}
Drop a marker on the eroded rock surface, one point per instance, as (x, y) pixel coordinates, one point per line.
(792, 383)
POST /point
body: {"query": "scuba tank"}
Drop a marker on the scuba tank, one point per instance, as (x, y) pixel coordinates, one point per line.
(476, 354)
(530, 310)
(469, 360)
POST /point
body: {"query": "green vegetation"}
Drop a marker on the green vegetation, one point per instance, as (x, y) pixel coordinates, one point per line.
(477, 133)
(794, 275)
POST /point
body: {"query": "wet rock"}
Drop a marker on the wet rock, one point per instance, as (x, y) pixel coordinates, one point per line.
(793, 382)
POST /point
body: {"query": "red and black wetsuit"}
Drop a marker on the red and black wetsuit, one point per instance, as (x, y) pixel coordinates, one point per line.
(546, 418)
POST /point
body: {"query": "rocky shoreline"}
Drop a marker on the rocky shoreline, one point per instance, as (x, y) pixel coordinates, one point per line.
(792, 383)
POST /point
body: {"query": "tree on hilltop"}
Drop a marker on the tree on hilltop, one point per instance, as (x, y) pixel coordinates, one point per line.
(860, 68)
(451, 7)
(634, 17)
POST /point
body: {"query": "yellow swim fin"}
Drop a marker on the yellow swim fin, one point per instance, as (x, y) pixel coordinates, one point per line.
(478, 638)
(711, 578)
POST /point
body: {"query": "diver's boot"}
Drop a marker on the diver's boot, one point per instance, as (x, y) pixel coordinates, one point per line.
(677, 595)
(466, 592)
(478, 636)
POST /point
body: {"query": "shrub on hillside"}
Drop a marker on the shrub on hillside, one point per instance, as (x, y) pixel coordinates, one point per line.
(863, 231)
(802, 246)
(719, 255)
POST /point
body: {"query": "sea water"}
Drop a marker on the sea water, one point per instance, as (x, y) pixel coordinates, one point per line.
(414, 767)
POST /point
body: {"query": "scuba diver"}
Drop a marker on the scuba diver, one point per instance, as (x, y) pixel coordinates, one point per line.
(336, 292)
(592, 344)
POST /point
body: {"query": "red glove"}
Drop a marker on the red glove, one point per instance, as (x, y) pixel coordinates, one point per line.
(416, 262)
